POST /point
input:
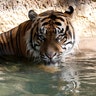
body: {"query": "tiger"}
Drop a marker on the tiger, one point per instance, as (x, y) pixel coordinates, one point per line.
(47, 36)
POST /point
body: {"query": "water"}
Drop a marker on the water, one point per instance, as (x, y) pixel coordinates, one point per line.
(77, 77)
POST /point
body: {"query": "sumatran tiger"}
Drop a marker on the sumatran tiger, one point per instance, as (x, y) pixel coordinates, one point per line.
(47, 36)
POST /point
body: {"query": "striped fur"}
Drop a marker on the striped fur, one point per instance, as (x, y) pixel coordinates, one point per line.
(47, 36)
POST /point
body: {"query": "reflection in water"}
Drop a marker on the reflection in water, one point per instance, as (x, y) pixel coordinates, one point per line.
(37, 83)
(76, 77)
(70, 75)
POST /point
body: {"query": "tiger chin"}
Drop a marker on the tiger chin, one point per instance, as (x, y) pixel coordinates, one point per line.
(47, 36)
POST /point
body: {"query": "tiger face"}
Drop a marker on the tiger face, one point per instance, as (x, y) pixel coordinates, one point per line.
(52, 35)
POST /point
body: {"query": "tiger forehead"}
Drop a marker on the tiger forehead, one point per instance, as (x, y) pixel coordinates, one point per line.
(50, 20)
(51, 15)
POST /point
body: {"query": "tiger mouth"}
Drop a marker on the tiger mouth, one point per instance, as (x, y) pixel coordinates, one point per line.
(51, 62)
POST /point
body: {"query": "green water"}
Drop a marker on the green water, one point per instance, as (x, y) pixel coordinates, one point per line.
(77, 77)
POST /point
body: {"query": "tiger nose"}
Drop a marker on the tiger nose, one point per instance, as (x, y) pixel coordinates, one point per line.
(50, 55)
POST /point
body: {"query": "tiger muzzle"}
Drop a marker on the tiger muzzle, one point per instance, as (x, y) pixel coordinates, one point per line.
(51, 58)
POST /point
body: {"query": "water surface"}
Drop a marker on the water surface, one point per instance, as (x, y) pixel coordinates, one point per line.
(77, 77)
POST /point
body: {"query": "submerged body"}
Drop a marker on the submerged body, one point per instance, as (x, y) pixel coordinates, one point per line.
(48, 36)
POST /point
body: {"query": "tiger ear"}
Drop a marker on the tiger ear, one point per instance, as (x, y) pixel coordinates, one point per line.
(32, 15)
(69, 12)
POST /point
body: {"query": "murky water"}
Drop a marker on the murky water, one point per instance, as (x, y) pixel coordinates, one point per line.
(77, 77)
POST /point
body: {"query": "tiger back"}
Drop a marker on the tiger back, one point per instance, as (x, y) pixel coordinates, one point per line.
(12, 42)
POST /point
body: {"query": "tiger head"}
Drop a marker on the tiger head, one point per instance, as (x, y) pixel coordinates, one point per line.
(52, 35)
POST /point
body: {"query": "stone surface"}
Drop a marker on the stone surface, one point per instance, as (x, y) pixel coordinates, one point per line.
(13, 12)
